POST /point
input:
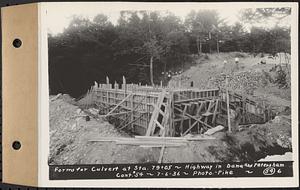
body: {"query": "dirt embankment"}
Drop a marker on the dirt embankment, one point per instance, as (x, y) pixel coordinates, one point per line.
(247, 77)
(248, 144)
(70, 133)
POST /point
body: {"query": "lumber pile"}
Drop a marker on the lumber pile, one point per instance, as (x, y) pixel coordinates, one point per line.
(152, 141)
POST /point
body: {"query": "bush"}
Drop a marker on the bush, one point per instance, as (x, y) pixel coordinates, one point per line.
(240, 55)
(280, 79)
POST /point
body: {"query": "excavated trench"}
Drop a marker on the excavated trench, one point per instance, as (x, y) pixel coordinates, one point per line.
(247, 151)
(69, 145)
(255, 139)
(248, 143)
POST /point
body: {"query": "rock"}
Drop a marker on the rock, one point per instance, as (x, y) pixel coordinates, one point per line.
(73, 126)
(78, 111)
(232, 114)
(280, 142)
(277, 119)
(94, 111)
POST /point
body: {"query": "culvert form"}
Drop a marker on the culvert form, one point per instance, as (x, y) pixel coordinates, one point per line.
(170, 111)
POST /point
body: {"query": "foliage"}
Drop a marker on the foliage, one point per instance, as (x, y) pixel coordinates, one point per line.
(201, 25)
(263, 14)
(143, 44)
(89, 51)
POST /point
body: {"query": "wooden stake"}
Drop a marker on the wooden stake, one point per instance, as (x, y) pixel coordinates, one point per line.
(227, 102)
(215, 112)
(161, 154)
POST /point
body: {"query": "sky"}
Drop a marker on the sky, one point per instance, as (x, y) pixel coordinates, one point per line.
(60, 14)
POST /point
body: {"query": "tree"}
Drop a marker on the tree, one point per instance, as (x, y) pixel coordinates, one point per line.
(83, 51)
(201, 24)
(154, 50)
(266, 17)
(101, 20)
(146, 34)
(262, 14)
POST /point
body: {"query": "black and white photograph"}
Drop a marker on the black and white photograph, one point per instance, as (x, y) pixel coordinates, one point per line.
(173, 83)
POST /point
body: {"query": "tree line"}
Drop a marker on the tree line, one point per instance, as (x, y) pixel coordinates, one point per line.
(144, 44)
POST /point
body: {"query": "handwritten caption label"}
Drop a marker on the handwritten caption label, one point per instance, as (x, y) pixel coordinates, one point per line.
(181, 170)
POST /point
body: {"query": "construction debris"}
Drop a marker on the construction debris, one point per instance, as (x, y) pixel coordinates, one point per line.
(214, 130)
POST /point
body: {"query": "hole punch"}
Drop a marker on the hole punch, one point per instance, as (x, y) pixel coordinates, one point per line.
(17, 43)
(16, 145)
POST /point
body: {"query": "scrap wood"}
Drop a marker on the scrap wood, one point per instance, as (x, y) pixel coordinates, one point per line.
(159, 146)
(107, 139)
(104, 139)
(202, 137)
(76, 116)
(137, 143)
(214, 130)
(114, 114)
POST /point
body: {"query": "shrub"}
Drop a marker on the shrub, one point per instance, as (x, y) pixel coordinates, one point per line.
(240, 54)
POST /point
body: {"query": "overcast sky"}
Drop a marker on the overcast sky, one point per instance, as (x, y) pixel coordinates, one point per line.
(60, 14)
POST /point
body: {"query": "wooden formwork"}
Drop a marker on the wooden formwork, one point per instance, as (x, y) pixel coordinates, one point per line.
(169, 111)
(251, 112)
(148, 110)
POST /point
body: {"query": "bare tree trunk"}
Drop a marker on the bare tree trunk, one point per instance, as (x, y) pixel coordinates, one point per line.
(198, 45)
(218, 48)
(165, 71)
(151, 70)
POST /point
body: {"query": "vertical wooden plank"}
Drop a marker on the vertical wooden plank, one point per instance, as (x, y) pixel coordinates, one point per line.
(227, 103)
(182, 119)
(215, 112)
(131, 108)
